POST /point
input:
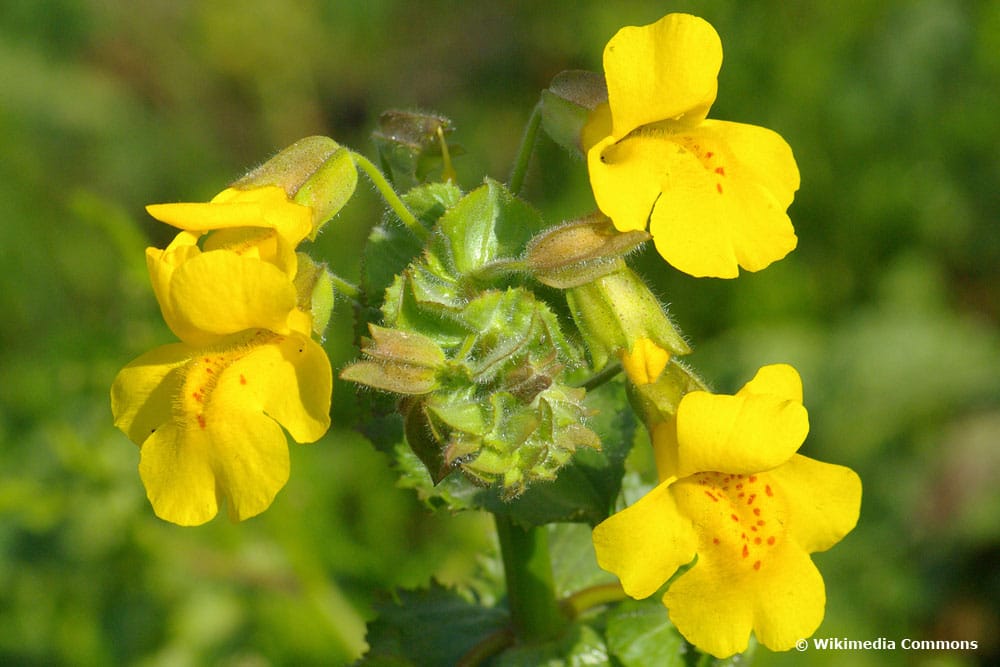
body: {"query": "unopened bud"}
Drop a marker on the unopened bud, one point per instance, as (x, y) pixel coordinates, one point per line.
(316, 172)
(567, 105)
(580, 251)
(617, 310)
(410, 144)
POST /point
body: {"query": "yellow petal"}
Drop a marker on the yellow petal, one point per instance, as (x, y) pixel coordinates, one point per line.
(625, 180)
(266, 206)
(778, 380)
(143, 392)
(664, 437)
(644, 363)
(791, 600)
(824, 501)
(715, 608)
(645, 543)
(219, 293)
(597, 127)
(289, 379)
(725, 189)
(663, 71)
(176, 469)
(162, 264)
(745, 433)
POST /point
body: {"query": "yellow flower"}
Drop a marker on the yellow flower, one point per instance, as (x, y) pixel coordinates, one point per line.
(241, 276)
(207, 413)
(207, 419)
(735, 493)
(713, 193)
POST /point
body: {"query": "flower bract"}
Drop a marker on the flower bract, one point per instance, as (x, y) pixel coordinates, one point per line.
(735, 493)
(713, 194)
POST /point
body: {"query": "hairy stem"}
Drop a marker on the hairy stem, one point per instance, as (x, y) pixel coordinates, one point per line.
(534, 611)
(527, 147)
(390, 196)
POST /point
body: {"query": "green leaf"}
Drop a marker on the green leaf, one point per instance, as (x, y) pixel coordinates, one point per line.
(429, 628)
(574, 563)
(391, 247)
(487, 225)
(640, 634)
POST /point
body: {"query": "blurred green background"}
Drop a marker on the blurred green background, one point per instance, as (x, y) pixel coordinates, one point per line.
(889, 307)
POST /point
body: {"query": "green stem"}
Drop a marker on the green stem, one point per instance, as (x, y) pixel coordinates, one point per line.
(390, 196)
(520, 169)
(595, 596)
(531, 596)
(601, 376)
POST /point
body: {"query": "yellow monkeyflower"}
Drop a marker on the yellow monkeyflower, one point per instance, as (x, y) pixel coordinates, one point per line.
(712, 193)
(207, 413)
(207, 419)
(734, 492)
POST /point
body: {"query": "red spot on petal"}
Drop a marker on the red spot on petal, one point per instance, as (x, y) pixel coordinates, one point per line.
(753, 478)
(718, 186)
(770, 541)
(751, 498)
(207, 360)
(767, 490)
(709, 154)
(753, 528)
(243, 380)
(734, 517)
(757, 540)
(720, 171)
(746, 551)
(709, 494)
(715, 540)
(209, 371)
(756, 565)
(761, 522)
(756, 511)
(201, 421)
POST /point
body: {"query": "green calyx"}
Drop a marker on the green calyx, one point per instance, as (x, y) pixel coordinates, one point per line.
(482, 361)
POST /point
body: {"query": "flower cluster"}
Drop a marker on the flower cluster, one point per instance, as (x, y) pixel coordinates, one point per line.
(734, 497)
(207, 412)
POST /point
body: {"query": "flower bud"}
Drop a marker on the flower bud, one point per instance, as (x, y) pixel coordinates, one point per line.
(411, 144)
(316, 172)
(617, 310)
(567, 105)
(579, 251)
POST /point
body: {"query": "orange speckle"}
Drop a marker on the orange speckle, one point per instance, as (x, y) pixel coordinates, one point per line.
(201, 421)
(718, 186)
(767, 490)
(770, 541)
(734, 517)
(243, 379)
(751, 498)
(715, 540)
(757, 540)
(708, 155)
(756, 511)
(761, 522)
(746, 551)
(756, 565)
(720, 171)
(753, 478)
(209, 371)
(709, 494)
